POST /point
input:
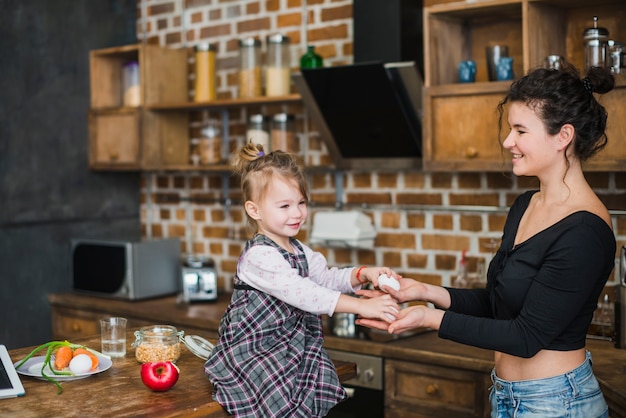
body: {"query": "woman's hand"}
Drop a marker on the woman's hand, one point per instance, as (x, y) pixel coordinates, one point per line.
(410, 290)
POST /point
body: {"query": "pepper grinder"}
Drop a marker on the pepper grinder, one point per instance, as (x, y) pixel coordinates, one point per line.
(595, 41)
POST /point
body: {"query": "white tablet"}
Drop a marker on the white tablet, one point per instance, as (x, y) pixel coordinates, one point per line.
(10, 384)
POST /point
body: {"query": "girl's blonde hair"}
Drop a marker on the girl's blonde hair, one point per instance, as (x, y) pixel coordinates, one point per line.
(257, 169)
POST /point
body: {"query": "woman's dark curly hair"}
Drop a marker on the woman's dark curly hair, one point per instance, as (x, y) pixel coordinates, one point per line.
(561, 97)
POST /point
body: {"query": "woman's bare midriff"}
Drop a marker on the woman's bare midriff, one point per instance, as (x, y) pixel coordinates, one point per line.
(546, 363)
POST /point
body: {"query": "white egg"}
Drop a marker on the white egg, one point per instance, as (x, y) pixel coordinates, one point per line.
(384, 280)
(80, 364)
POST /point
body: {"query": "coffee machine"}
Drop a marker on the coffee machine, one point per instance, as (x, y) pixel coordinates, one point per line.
(620, 303)
(199, 279)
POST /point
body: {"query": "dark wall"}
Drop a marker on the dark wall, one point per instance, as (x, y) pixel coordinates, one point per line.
(48, 195)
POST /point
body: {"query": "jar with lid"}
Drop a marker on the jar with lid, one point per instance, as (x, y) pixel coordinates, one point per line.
(278, 71)
(157, 343)
(210, 144)
(250, 82)
(595, 41)
(258, 131)
(283, 136)
(131, 94)
(205, 83)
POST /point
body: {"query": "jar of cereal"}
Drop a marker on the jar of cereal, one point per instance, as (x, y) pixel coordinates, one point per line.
(250, 68)
(157, 343)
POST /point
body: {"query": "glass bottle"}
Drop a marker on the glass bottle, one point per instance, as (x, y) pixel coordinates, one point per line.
(157, 343)
(278, 71)
(595, 40)
(616, 50)
(205, 84)
(283, 135)
(311, 59)
(258, 131)
(250, 83)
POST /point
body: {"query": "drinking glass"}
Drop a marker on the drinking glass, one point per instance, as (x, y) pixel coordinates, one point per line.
(113, 336)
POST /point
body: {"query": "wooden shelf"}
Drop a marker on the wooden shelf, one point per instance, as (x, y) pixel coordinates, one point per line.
(460, 123)
(225, 103)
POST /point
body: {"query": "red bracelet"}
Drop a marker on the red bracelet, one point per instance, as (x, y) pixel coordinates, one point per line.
(358, 275)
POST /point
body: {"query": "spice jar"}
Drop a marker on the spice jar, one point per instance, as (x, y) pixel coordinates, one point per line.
(250, 84)
(210, 144)
(258, 131)
(283, 136)
(595, 41)
(278, 72)
(157, 343)
(205, 84)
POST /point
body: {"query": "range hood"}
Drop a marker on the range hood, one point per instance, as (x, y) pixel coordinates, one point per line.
(368, 114)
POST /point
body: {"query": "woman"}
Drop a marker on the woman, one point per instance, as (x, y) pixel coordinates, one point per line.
(557, 252)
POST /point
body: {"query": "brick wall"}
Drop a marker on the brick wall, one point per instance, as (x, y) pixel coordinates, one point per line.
(423, 220)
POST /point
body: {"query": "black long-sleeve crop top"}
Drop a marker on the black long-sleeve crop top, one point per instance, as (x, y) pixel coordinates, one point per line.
(540, 294)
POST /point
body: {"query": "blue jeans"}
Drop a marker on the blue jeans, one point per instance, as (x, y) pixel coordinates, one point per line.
(575, 394)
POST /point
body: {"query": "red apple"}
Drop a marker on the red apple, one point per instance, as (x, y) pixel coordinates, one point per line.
(159, 375)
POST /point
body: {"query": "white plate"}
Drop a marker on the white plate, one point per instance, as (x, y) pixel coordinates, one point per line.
(34, 365)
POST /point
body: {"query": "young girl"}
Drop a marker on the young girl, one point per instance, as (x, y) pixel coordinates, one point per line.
(557, 252)
(269, 360)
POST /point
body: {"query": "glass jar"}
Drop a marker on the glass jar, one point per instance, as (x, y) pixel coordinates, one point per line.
(283, 135)
(258, 131)
(131, 96)
(250, 83)
(616, 50)
(210, 144)
(278, 71)
(205, 84)
(595, 41)
(157, 343)
(311, 59)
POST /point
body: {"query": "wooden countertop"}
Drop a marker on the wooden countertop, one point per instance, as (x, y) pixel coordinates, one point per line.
(120, 392)
(609, 363)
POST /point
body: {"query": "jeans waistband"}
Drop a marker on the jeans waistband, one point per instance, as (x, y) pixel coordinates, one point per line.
(536, 386)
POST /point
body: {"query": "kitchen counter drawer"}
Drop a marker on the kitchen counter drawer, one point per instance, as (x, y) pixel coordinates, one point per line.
(68, 324)
(417, 390)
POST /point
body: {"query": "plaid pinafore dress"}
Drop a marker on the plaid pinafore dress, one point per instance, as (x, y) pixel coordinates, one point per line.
(269, 360)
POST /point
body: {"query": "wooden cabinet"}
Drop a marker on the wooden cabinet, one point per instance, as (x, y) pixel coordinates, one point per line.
(460, 125)
(419, 390)
(69, 324)
(77, 316)
(133, 138)
(156, 134)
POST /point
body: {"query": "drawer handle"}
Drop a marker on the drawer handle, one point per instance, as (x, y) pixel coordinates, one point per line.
(75, 327)
(471, 152)
(432, 389)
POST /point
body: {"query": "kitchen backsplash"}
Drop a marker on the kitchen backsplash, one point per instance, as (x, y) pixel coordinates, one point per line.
(423, 220)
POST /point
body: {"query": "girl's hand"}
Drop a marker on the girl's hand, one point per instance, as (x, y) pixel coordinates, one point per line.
(372, 274)
(382, 308)
(409, 318)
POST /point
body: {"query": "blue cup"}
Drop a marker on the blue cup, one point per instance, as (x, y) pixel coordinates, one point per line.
(504, 69)
(467, 71)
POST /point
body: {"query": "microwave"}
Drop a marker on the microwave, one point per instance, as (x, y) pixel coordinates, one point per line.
(126, 269)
